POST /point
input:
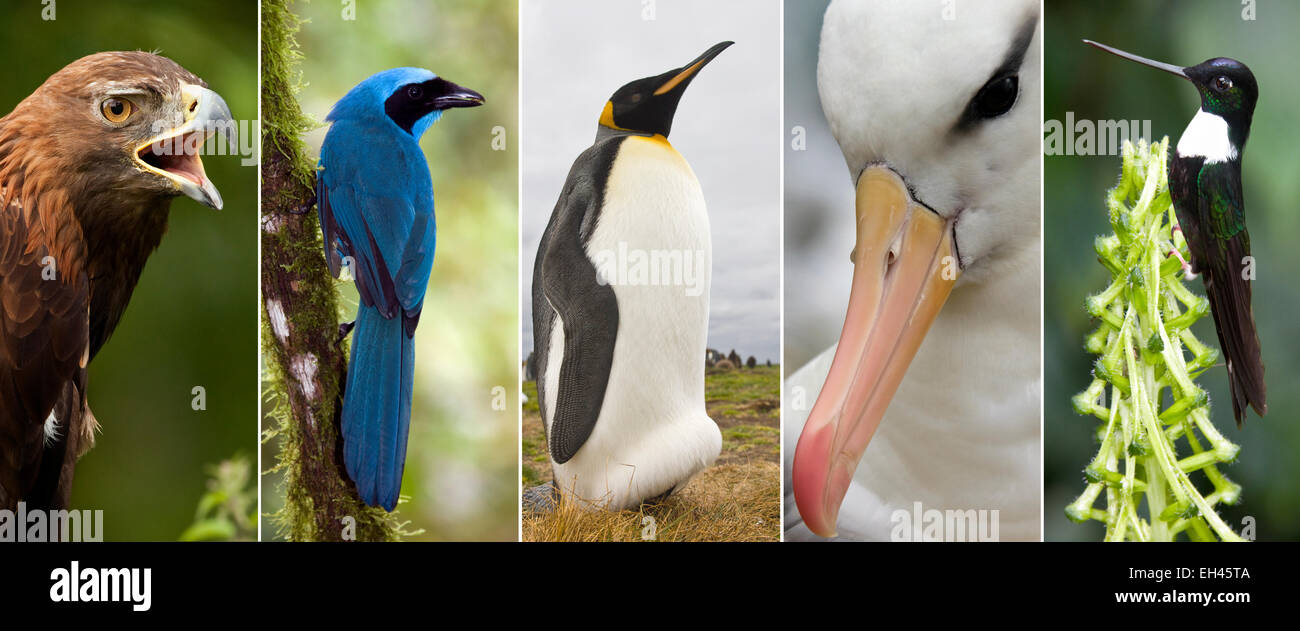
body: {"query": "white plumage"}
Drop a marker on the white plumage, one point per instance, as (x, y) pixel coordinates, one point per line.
(51, 429)
(963, 430)
(653, 433)
(1207, 136)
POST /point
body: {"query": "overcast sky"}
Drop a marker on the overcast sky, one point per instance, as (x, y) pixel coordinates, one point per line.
(576, 53)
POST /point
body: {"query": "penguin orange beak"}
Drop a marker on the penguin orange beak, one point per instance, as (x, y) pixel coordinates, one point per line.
(682, 76)
(905, 265)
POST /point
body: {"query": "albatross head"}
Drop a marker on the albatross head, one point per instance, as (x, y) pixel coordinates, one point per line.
(939, 121)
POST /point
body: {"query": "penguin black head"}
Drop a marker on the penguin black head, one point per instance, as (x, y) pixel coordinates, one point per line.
(1227, 87)
(646, 106)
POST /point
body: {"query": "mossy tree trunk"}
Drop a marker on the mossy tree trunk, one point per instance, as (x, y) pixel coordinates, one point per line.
(306, 365)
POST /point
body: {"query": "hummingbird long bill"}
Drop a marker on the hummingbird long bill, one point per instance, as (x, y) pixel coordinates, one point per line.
(1205, 186)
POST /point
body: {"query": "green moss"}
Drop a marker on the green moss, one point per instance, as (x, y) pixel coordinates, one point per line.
(283, 122)
(319, 502)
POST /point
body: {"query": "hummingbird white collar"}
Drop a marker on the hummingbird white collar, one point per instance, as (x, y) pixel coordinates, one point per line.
(1207, 137)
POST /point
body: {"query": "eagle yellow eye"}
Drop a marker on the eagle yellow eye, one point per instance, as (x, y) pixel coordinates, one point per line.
(116, 110)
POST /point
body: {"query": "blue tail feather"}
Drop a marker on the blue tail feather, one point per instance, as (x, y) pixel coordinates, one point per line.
(377, 407)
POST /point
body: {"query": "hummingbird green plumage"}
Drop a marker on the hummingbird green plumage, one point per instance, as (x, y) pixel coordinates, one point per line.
(1205, 186)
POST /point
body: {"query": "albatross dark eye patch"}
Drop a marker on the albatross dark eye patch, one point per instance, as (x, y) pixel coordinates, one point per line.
(999, 94)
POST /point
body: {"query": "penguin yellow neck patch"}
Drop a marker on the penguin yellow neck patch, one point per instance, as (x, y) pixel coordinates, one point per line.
(661, 143)
(607, 117)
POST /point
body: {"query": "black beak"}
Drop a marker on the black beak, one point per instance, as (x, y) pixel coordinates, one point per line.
(1170, 68)
(453, 95)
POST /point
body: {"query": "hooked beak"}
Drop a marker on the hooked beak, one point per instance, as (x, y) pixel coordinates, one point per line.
(905, 265)
(682, 77)
(457, 96)
(1170, 68)
(174, 154)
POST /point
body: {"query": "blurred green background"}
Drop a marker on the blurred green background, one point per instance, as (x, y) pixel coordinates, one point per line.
(462, 453)
(192, 319)
(1098, 86)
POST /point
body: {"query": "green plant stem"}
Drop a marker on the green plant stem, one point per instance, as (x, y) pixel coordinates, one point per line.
(1142, 341)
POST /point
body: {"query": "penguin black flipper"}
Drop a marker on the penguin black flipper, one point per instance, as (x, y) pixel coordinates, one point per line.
(1222, 261)
(565, 285)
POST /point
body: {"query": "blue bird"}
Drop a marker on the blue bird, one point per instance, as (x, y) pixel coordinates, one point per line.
(375, 201)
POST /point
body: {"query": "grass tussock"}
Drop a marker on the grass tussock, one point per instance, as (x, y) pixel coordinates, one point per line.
(732, 502)
(737, 499)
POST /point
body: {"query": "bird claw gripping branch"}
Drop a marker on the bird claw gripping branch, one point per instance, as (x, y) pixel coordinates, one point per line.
(1143, 341)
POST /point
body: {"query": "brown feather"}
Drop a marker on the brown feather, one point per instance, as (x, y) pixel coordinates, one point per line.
(71, 194)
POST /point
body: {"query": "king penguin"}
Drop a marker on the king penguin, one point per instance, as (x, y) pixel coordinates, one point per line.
(620, 358)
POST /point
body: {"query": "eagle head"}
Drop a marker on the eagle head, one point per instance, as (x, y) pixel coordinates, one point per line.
(122, 128)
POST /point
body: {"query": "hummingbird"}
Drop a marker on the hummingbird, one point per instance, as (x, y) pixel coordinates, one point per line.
(1205, 186)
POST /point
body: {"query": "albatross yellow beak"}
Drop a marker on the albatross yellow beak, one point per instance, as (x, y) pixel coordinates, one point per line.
(905, 265)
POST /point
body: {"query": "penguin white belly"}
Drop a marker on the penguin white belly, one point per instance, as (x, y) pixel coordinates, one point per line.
(652, 244)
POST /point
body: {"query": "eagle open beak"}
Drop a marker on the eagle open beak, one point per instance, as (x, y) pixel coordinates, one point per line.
(905, 265)
(174, 154)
